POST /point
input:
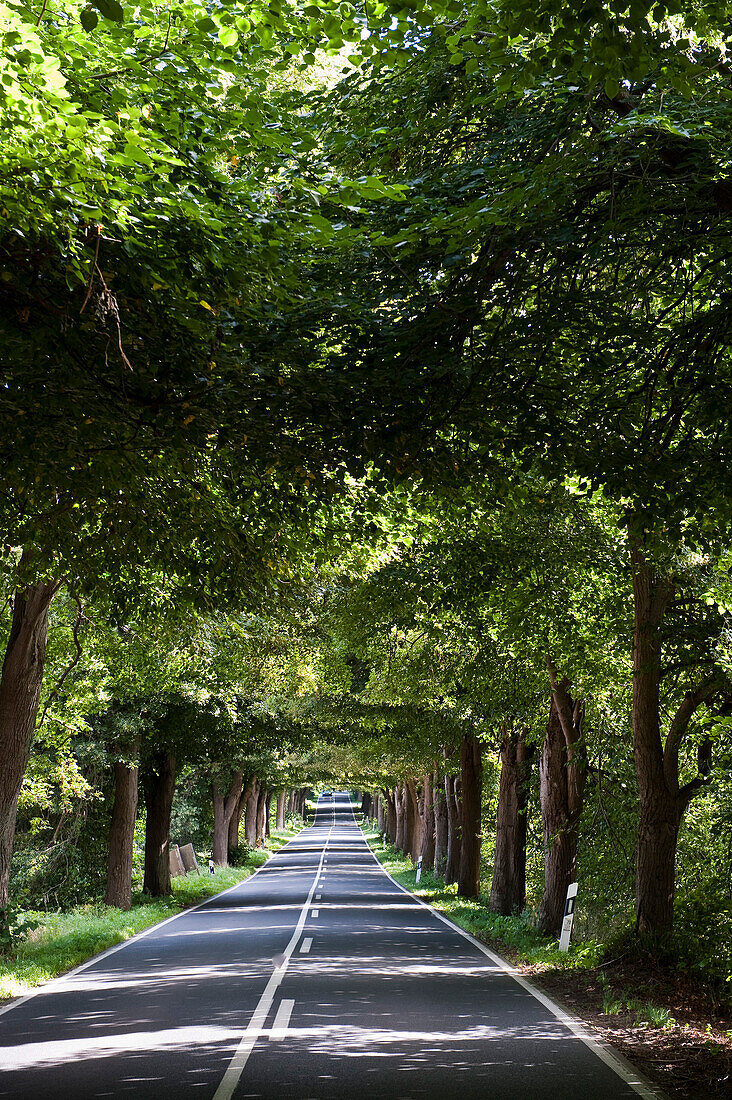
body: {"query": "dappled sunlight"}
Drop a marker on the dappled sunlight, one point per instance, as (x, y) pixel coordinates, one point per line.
(141, 982)
(298, 992)
(357, 1041)
(57, 1052)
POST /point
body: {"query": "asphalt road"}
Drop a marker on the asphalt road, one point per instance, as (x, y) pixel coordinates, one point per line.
(317, 977)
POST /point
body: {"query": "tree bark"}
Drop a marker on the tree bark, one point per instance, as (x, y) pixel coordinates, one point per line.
(391, 815)
(280, 815)
(235, 822)
(121, 837)
(454, 843)
(267, 813)
(262, 813)
(471, 777)
(250, 813)
(412, 831)
(427, 849)
(20, 691)
(508, 888)
(440, 811)
(224, 807)
(400, 797)
(662, 800)
(562, 775)
(159, 787)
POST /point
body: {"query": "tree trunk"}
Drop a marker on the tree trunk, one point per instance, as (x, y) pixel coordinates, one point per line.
(261, 813)
(224, 807)
(365, 804)
(427, 848)
(562, 774)
(280, 815)
(412, 832)
(508, 888)
(440, 811)
(158, 786)
(454, 844)
(267, 813)
(391, 816)
(660, 807)
(235, 822)
(471, 777)
(250, 813)
(20, 690)
(121, 837)
(380, 816)
(400, 796)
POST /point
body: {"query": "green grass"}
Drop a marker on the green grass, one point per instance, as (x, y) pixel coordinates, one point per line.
(515, 935)
(643, 1013)
(62, 941)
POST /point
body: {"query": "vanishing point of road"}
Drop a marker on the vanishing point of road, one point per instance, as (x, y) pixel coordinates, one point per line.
(317, 977)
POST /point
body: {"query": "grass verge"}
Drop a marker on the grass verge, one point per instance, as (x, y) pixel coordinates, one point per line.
(513, 936)
(62, 941)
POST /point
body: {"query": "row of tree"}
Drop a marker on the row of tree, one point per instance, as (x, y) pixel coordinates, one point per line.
(411, 365)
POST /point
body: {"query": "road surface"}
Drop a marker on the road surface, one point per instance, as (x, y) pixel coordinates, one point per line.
(317, 977)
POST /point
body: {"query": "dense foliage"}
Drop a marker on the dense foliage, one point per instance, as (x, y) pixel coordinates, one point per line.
(365, 384)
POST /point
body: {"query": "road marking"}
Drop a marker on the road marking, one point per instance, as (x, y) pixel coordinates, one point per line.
(314, 913)
(53, 984)
(241, 1055)
(281, 1021)
(616, 1062)
(306, 945)
(318, 897)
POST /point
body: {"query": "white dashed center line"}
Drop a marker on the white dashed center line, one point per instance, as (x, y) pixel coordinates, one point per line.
(281, 1021)
(306, 945)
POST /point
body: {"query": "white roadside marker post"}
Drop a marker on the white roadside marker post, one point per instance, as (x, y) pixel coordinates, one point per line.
(419, 869)
(568, 917)
(210, 867)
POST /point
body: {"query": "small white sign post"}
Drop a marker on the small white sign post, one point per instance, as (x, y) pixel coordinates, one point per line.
(568, 917)
(419, 869)
(211, 867)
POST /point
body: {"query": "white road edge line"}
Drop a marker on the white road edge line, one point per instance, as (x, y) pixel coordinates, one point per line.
(52, 983)
(281, 1021)
(254, 1028)
(614, 1061)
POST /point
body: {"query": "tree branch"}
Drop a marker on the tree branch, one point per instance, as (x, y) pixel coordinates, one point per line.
(679, 724)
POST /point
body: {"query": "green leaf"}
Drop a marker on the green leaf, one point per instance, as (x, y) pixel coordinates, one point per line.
(228, 36)
(110, 9)
(89, 19)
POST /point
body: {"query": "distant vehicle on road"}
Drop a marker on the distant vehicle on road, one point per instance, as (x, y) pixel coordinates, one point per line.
(327, 794)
